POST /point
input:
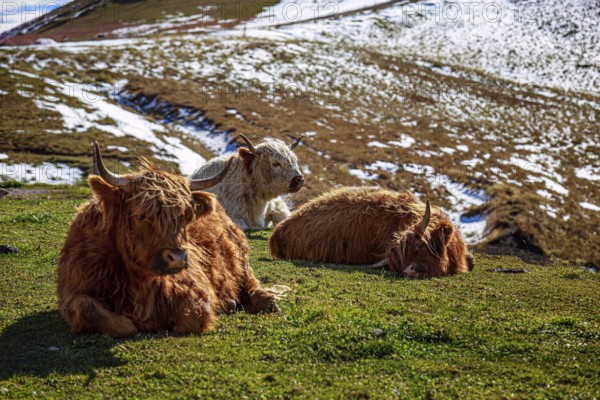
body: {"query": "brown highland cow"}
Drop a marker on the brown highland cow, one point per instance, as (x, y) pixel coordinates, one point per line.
(150, 252)
(369, 225)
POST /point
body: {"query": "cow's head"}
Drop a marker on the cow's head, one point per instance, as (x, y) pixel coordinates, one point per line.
(148, 212)
(273, 166)
(421, 250)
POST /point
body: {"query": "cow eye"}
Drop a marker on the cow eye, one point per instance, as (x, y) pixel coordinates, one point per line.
(276, 164)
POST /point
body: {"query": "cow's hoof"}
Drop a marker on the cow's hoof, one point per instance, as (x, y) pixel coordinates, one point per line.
(270, 307)
(124, 328)
(231, 307)
(273, 308)
(265, 305)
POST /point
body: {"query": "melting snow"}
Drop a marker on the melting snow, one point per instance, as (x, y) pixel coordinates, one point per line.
(589, 206)
(16, 13)
(362, 175)
(448, 150)
(545, 193)
(44, 173)
(558, 188)
(588, 173)
(405, 141)
(128, 123)
(384, 166)
(120, 148)
(378, 144)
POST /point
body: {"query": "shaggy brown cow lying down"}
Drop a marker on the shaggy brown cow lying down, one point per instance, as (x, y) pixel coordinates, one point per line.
(151, 252)
(366, 225)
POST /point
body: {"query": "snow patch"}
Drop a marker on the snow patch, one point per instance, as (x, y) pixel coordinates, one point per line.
(362, 175)
(383, 166)
(120, 148)
(53, 174)
(588, 173)
(378, 144)
(589, 206)
(404, 142)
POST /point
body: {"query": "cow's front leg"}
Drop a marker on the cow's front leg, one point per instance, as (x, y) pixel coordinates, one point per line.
(194, 315)
(256, 299)
(86, 314)
(261, 301)
(277, 211)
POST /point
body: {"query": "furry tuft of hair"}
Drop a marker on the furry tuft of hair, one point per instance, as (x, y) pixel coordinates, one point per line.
(110, 277)
(250, 193)
(364, 225)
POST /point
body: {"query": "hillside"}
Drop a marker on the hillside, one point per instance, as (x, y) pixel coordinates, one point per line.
(93, 19)
(492, 116)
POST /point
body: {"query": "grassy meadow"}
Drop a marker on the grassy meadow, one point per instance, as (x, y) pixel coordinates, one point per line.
(344, 331)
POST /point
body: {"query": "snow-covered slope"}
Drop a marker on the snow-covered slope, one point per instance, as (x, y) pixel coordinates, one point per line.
(13, 13)
(545, 42)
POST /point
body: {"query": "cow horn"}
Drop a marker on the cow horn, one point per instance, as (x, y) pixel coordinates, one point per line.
(296, 143)
(100, 170)
(248, 143)
(201, 184)
(425, 220)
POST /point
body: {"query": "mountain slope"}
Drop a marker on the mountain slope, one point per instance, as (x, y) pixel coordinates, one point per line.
(515, 163)
(92, 19)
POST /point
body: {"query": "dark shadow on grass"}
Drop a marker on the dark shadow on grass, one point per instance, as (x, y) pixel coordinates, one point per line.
(256, 235)
(341, 267)
(39, 344)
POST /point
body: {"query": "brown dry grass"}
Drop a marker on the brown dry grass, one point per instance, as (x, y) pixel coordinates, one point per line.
(349, 105)
(517, 224)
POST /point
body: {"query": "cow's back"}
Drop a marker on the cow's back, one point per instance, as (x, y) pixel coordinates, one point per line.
(345, 226)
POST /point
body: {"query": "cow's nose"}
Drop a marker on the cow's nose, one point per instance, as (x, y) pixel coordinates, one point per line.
(421, 269)
(175, 258)
(297, 182)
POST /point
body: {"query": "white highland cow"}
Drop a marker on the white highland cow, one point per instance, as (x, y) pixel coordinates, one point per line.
(258, 176)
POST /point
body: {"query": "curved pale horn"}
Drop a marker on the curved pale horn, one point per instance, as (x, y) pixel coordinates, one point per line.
(201, 184)
(102, 171)
(425, 220)
(248, 143)
(296, 143)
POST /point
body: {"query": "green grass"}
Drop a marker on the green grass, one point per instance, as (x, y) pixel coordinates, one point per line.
(9, 183)
(345, 332)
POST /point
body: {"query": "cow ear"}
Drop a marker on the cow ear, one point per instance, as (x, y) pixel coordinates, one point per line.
(102, 189)
(247, 158)
(204, 202)
(440, 237)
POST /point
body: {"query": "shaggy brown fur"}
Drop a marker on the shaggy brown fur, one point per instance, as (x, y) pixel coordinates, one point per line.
(365, 225)
(109, 281)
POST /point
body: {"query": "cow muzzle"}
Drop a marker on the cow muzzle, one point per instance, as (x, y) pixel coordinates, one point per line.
(415, 270)
(171, 261)
(296, 183)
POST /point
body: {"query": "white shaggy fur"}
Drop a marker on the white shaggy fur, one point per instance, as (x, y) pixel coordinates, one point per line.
(250, 191)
